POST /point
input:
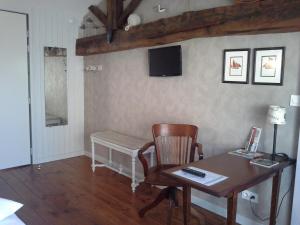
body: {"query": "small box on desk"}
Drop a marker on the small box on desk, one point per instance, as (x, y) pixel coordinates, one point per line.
(246, 154)
(269, 160)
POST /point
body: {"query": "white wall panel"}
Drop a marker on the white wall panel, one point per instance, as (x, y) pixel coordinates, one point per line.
(54, 29)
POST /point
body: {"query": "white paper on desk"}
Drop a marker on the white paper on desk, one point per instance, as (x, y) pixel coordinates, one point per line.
(209, 179)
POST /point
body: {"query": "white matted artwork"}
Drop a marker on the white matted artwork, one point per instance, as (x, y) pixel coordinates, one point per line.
(236, 66)
(268, 66)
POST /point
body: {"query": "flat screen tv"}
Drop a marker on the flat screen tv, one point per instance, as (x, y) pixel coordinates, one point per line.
(165, 62)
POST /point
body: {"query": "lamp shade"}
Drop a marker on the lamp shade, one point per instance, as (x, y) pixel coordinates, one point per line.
(276, 115)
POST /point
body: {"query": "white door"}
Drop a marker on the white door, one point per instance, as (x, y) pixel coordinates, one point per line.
(14, 107)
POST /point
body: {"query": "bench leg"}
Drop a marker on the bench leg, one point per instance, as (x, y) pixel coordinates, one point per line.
(133, 184)
(152, 159)
(93, 156)
(110, 157)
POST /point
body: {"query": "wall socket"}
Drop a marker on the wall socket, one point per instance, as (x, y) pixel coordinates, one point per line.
(295, 100)
(248, 194)
(94, 68)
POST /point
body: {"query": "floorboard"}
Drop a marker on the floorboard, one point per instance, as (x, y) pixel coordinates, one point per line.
(66, 192)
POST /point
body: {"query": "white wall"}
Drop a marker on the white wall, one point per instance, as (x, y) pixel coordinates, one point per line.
(76, 6)
(54, 23)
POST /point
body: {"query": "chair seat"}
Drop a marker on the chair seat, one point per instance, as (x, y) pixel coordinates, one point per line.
(156, 177)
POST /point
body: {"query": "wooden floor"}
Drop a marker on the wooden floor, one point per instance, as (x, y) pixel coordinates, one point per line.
(66, 192)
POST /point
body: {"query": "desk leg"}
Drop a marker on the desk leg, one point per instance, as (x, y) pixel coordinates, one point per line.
(275, 195)
(93, 156)
(232, 208)
(133, 173)
(186, 204)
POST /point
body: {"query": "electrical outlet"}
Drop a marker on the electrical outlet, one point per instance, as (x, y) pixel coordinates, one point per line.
(99, 67)
(247, 195)
(94, 68)
(295, 100)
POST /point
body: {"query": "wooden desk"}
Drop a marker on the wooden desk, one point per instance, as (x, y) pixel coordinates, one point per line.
(121, 143)
(241, 176)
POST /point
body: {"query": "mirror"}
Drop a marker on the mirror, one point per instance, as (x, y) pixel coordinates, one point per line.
(56, 101)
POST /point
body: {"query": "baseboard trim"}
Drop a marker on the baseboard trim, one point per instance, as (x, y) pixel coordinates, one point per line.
(59, 157)
(195, 200)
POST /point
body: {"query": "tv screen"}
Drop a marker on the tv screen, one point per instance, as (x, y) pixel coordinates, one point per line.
(165, 61)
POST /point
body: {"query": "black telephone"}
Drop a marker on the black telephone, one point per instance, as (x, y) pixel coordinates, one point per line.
(283, 156)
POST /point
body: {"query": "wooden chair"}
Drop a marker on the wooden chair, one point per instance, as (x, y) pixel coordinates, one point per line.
(175, 144)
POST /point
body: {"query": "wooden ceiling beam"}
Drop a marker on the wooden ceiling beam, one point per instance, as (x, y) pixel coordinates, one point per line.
(99, 14)
(129, 9)
(239, 19)
(118, 12)
(247, 1)
(110, 13)
(114, 11)
(257, 1)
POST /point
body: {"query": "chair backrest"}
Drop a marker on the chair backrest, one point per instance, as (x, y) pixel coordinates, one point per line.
(173, 143)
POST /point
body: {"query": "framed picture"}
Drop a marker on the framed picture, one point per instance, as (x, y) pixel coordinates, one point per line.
(236, 66)
(268, 66)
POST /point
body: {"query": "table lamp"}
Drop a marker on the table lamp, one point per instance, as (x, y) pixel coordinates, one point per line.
(276, 116)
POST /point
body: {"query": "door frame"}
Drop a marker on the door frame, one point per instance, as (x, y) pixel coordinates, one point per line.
(296, 197)
(28, 78)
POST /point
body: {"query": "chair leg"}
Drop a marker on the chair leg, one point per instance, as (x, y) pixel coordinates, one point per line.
(162, 195)
(173, 196)
(171, 206)
(176, 204)
(173, 202)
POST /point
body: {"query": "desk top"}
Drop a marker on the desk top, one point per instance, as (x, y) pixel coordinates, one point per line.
(129, 142)
(241, 174)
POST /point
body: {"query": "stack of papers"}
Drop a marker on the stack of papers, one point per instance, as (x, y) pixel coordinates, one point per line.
(209, 179)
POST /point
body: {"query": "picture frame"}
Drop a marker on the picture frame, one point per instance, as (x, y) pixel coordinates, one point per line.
(268, 66)
(236, 66)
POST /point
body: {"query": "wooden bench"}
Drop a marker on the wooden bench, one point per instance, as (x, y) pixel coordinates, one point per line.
(121, 143)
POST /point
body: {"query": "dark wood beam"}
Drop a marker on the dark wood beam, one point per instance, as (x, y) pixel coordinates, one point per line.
(99, 14)
(114, 10)
(246, 1)
(110, 14)
(239, 19)
(129, 9)
(119, 10)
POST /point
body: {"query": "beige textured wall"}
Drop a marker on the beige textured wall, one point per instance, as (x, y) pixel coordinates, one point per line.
(123, 97)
